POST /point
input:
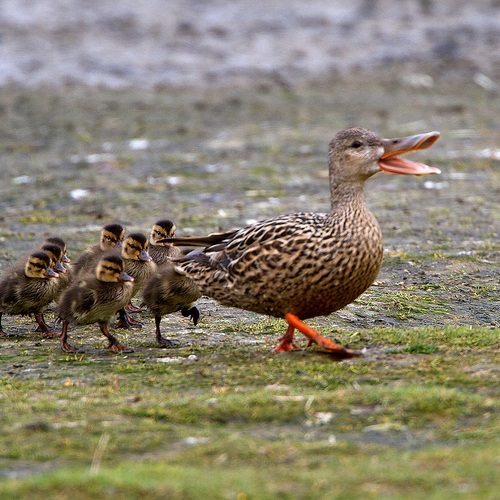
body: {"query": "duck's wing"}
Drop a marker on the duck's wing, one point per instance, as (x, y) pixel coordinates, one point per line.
(264, 240)
(83, 299)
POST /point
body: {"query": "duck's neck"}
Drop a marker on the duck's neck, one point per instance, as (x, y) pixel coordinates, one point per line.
(346, 196)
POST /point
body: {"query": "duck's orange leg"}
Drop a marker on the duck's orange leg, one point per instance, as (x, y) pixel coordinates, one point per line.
(315, 338)
(287, 341)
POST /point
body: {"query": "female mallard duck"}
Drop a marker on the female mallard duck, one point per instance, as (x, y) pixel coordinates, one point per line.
(111, 237)
(163, 252)
(307, 264)
(168, 292)
(28, 288)
(141, 267)
(95, 299)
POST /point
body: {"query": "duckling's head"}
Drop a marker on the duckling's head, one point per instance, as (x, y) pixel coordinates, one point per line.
(111, 269)
(135, 247)
(55, 240)
(356, 154)
(56, 254)
(162, 229)
(112, 236)
(38, 266)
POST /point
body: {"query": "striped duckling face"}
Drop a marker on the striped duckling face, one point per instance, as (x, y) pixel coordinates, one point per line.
(112, 236)
(38, 266)
(135, 247)
(111, 269)
(162, 229)
(56, 256)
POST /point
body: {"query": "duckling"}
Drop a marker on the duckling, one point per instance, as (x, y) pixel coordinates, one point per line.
(111, 238)
(56, 240)
(163, 252)
(56, 255)
(169, 291)
(95, 299)
(141, 267)
(304, 265)
(66, 277)
(28, 288)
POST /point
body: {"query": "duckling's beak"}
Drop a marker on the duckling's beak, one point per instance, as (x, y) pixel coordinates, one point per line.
(50, 273)
(144, 256)
(123, 276)
(168, 245)
(394, 147)
(59, 267)
(66, 259)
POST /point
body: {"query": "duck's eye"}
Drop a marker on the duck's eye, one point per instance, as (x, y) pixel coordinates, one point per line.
(356, 144)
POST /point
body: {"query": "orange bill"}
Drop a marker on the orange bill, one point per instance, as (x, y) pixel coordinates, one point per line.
(390, 162)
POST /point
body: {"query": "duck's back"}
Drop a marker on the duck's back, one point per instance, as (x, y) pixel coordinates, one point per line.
(87, 261)
(307, 264)
(91, 300)
(168, 291)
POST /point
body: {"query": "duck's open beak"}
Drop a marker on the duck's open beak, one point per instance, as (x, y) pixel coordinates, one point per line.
(394, 147)
(123, 276)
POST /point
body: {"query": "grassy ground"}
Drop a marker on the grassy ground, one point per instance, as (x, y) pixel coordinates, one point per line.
(221, 416)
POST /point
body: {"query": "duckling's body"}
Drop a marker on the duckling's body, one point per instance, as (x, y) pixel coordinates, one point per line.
(28, 288)
(138, 262)
(141, 267)
(168, 292)
(95, 299)
(304, 265)
(162, 253)
(111, 238)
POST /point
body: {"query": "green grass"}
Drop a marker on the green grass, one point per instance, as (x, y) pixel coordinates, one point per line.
(419, 419)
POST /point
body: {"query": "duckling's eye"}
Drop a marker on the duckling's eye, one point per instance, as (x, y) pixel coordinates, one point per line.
(356, 144)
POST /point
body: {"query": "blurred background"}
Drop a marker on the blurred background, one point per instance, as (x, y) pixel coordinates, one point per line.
(216, 113)
(120, 43)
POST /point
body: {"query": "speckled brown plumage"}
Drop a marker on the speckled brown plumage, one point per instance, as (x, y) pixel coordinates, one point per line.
(168, 292)
(95, 299)
(27, 288)
(304, 265)
(161, 253)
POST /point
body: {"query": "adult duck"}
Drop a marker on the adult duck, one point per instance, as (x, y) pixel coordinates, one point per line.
(304, 265)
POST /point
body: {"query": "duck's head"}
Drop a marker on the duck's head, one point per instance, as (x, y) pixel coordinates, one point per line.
(162, 229)
(55, 240)
(356, 154)
(38, 266)
(112, 236)
(56, 254)
(111, 269)
(135, 247)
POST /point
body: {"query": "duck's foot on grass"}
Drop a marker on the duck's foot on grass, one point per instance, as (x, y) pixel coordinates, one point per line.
(314, 338)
